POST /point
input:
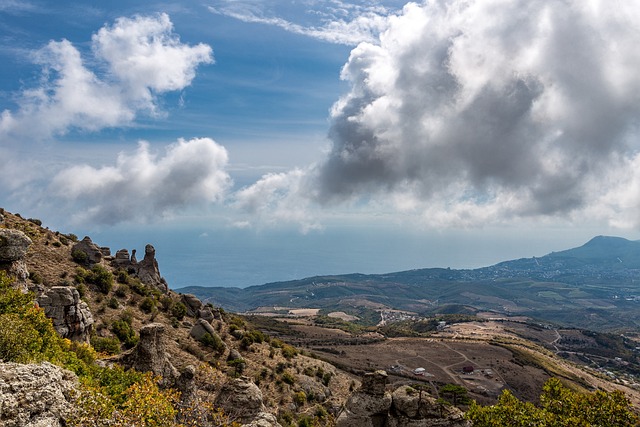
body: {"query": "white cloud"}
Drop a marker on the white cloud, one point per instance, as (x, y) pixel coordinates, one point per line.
(338, 22)
(277, 198)
(485, 111)
(138, 59)
(143, 185)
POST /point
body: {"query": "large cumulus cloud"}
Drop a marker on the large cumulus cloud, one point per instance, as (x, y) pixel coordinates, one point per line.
(491, 109)
(144, 185)
(134, 60)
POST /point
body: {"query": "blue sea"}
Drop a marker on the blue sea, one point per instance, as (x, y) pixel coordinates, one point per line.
(201, 256)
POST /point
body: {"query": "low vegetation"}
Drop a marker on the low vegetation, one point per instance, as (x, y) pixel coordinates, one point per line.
(559, 407)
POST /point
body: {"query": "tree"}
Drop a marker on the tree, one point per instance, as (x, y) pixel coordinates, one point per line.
(559, 407)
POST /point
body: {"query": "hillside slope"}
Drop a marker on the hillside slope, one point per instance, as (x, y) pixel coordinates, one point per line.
(592, 287)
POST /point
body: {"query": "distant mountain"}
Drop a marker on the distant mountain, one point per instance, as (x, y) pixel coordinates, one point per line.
(594, 286)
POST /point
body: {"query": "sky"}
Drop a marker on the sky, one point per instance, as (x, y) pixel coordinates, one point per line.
(254, 141)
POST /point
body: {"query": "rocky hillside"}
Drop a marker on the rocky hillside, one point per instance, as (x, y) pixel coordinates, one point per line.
(111, 318)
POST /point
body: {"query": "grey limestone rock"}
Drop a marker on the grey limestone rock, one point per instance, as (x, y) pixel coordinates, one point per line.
(13, 248)
(192, 303)
(312, 387)
(13, 245)
(201, 328)
(93, 251)
(70, 315)
(372, 406)
(242, 400)
(148, 271)
(35, 395)
(150, 355)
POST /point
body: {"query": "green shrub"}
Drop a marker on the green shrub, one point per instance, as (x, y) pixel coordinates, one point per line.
(125, 333)
(113, 303)
(179, 310)
(35, 278)
(79, 256)
(106, 345)
(122, 291)
(148, 305)
(213, 341)
(102, 278)
(300, 398)
(287, 378)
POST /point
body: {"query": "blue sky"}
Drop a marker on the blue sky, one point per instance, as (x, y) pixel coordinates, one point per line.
(253, 141)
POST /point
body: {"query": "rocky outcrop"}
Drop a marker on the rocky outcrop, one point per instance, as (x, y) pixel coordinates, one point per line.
(192, 303)
(146, 270)
(412, 408)
(150, 355)
(312, 388)
(186, 385)
(13, 248)
(242, 400)
(373, 406)
(35, 395)
(71, 316)
(202, 328)
(92, 251)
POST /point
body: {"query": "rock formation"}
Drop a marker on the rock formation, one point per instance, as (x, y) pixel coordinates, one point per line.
(201, 328)
(13, 248)
(192, 303)
(150, 355)
(373, 406)
(35, 395)
(71, 316)
(92, 251)
(146, 270)
(242, 400)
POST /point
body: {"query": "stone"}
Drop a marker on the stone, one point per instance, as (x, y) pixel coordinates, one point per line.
(71, 317)
(13, 245)
(242, 400)
(92, 251)
(148, 271)
(35, 395)
(234, 355)
(372, 406)
(205, 314)
(375, 383)
(150, 355)
(122, 259)
(192, 303)
(106, 251)
(201, 328)
(312, 387)
(186, 385)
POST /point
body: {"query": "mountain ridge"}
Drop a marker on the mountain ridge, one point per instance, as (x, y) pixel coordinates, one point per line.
(593, 280)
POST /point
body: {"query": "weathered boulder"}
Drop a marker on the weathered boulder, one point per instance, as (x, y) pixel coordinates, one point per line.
(372, 406)
(148, 271)
(13, 245)
(414, 409)
(92, 251)
(234, 355)
(122, 259)
(205, 314)
(70, 315)
(186, 385)
(192, 303)
(35, 395)
(242, 400)
(150, 355)
(312, 387)
(201, 328)
(13, 248)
